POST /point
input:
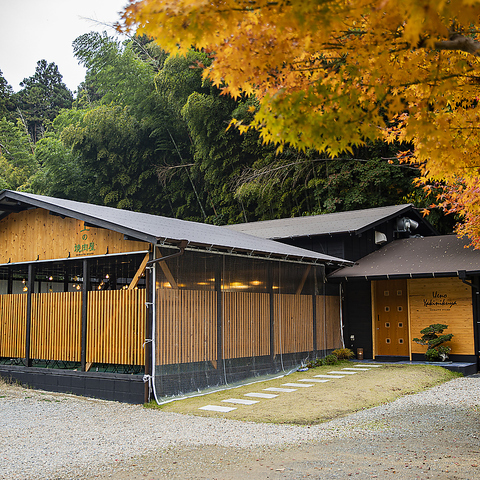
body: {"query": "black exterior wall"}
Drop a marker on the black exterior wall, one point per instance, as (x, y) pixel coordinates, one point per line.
(351, 246)
(106, 386)
(476, 316)
(357, 317)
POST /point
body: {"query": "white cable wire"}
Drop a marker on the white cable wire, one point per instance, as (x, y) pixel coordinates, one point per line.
(154, 321)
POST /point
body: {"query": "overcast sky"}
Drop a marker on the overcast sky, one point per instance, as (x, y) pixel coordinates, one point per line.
(33, 30)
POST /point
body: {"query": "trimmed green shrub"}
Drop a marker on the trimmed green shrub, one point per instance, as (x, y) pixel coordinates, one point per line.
(343, 353)
(432, 337)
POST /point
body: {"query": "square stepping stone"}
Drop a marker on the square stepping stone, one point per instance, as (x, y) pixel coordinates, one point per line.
(316, 380)
(358, 369)
(217, 408)
(261, 395)
(240, 401)
(296, 385)
(278, 389)
(329, 376)
(343, 372)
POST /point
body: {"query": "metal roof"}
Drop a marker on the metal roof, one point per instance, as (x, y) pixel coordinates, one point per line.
(355, 221)
(444, 255)
(153, 228)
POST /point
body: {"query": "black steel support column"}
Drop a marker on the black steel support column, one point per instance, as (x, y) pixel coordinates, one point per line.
(476, 317)
(218, 289)
(86, 288)
(272, 312)
(314, 305)
(30, 285)
(66, 278)
(10, 281)
(150, 299)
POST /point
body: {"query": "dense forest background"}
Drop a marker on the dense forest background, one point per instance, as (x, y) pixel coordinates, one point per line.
(145, 132)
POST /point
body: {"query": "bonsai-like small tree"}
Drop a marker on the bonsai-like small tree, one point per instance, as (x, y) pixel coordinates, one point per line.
(432, 337)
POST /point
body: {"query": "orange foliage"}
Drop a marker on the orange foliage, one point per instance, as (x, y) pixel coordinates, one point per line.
(332, 74)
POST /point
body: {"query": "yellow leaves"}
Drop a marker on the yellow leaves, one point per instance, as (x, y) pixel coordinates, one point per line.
(330, 75)
(242, 128)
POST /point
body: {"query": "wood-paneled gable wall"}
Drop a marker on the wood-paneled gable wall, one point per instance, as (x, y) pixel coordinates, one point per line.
(37, 235)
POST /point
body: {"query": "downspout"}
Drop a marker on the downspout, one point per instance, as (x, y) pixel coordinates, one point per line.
(182, 246)
(462, 275)
(342, 329)
(150, 340)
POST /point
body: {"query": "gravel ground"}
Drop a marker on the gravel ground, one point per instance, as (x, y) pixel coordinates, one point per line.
(433, 434)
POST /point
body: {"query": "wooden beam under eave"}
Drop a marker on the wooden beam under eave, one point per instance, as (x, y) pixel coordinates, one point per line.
(167, 272)
(139, 273)
(304, 279)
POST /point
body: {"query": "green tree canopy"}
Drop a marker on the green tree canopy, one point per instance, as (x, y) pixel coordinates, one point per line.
(7, 105)
(42, 97)
(17, 162)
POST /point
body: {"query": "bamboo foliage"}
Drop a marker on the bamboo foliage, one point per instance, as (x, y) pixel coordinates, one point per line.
(246, 324)
(186, 326)
(56, 326)
(13, 321)
(116, 327)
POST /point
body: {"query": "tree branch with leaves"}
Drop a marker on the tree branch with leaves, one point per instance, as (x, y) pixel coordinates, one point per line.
(332, 75)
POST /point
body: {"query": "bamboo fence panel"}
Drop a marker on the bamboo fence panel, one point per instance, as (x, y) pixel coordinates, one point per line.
(13, 322)
(246, 324)
(186, 327)
(294, 323)
(56, 326)
(329, 328)
(116, 327)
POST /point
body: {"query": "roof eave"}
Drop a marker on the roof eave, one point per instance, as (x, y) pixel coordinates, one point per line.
(394, 276)
(91, 220)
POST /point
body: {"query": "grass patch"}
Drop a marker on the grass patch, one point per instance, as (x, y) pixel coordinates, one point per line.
(323, 401)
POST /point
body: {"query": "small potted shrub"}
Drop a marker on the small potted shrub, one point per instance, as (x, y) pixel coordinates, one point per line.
(433, 339)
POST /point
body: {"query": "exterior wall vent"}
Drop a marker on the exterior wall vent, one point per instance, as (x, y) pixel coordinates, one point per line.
(380, 238)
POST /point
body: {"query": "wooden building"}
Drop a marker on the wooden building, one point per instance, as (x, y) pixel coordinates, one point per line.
(350, 235)
(122, 305)
(401, 259)
(409, 284)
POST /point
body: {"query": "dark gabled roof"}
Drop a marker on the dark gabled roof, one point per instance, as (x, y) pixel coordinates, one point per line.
(355, 222)
(153, 228)
(416, 257)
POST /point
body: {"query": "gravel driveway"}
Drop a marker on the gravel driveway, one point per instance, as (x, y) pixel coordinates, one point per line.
(434, 434)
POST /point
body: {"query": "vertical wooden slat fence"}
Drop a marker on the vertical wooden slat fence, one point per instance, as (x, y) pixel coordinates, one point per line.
(116, 327)
(56, 326)
(329, 330)
(246, 324)
(13, 320)
(186, 326)
(293, 323)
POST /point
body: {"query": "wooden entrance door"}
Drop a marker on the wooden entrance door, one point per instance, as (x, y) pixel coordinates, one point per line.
(391, 318)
